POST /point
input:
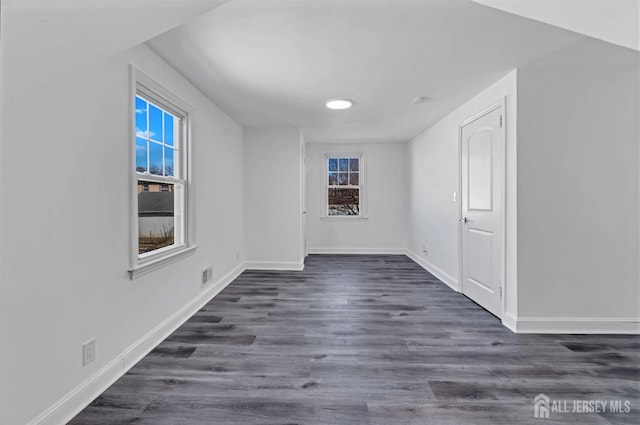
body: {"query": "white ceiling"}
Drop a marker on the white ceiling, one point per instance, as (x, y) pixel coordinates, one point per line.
(274, 63)
(43, 41)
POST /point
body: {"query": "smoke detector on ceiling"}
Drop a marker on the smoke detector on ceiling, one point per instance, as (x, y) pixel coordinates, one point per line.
(421, 99)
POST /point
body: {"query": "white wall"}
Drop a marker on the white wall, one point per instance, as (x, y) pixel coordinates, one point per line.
(433, 167)
(384, 198)
(64, 223)
(273, 199)
(578, 185)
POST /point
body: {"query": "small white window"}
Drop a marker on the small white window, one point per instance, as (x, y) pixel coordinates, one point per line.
(344, 185)
(161, 215)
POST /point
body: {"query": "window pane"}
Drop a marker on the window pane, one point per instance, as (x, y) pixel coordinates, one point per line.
(333, 179)
(168, 162)
(155, 158)
(354, 179)
(343, 164)
(354, 164)
(141, 115)
(343, 201)
(333, 164)
(168, 129)
(343, 179)
(156, 216)
(141, 155)
(155, 123)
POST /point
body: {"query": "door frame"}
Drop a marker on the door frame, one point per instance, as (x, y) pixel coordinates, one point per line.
(303, 199)
(502, 103)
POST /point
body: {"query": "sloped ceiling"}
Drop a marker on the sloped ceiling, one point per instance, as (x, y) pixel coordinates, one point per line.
(614, 21)
(45, 40)
(275, 62)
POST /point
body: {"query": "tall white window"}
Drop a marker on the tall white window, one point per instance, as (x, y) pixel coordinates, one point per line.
(160, 209)
(344, 185)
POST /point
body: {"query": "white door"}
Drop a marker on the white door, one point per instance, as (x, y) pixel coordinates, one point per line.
(482, 173)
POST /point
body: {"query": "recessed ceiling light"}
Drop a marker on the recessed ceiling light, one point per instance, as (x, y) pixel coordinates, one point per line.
(339, 104)
(420, 99)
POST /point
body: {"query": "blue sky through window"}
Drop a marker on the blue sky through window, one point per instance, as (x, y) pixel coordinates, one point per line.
(155, 123)
(141, 115)
(168, 129)
(141, 155)
(333, 164)
(168, 162)
(343, 171)
(155, 158)
(155, 150)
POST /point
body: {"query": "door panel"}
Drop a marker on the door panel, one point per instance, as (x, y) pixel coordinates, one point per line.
(480, 256)
(482, 144)
(480, 176)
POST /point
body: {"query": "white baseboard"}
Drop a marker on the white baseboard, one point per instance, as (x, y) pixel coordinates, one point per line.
(363, 251)
(73, 402)
(449, 280)
(77, 399)
(510, 321)
(573, 325)
(274, 265)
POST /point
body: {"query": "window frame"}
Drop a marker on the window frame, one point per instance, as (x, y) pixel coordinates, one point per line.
(149, 89)
(361, 186)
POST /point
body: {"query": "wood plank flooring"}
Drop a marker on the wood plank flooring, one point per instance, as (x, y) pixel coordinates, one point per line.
(355, 340)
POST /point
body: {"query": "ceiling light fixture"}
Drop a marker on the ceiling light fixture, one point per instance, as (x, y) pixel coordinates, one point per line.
(339, 104)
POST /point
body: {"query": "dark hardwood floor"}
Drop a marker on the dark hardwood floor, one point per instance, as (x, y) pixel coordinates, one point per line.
(363, 340)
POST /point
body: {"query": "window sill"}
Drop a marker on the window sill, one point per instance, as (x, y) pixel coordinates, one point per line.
(156, 263)
(343, 218)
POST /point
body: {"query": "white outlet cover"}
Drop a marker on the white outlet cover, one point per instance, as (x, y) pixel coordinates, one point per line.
(88, 352)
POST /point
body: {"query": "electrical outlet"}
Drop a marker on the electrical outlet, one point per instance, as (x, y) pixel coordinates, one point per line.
(206, 275)
(88, 352)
